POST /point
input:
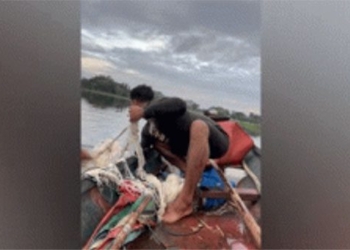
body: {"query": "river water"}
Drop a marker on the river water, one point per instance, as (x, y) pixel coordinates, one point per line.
(99, 124)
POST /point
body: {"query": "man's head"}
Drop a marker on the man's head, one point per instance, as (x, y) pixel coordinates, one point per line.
(141, 95)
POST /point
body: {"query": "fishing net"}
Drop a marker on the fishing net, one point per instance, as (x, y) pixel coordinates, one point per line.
(109, 168)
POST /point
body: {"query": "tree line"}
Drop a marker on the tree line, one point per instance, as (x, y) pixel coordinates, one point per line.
(103, 91)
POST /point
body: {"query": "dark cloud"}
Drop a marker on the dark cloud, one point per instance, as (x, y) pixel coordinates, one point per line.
(198, 45)
(238, 18)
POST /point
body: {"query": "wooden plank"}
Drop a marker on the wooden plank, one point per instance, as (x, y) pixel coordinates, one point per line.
(246, 194)
(248, 219)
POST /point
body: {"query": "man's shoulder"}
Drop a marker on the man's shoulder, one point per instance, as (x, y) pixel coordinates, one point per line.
(196, 115)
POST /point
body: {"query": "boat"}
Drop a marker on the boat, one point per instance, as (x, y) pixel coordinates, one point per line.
(223, 226)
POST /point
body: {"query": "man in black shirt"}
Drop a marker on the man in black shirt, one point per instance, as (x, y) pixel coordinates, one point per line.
(186, 139)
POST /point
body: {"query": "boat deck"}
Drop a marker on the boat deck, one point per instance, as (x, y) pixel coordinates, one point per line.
(198, 231)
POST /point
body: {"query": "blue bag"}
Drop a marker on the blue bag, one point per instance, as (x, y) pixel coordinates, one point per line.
(211, 180)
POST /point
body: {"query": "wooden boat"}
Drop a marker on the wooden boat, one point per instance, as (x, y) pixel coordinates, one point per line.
(220, 229)
(224, 228)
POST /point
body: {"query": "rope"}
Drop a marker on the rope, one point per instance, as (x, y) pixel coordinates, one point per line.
(155, 186)
(143, 183)
(104, 176)
(111, 143)
(248, 219)
(133, 140)
(127, 174)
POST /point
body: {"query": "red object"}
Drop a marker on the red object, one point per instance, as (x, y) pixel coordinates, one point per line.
(127, 196)
(240, 144)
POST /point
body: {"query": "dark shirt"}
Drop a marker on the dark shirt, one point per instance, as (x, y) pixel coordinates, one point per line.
(171, 118)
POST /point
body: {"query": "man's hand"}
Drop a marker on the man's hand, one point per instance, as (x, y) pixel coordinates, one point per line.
(135, 112)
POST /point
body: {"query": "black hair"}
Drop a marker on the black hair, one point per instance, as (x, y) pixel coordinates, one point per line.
(142, 93)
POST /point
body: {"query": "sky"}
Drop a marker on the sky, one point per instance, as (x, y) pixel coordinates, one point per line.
(204, 51)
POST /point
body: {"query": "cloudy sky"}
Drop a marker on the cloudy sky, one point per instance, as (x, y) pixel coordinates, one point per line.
(205, 51)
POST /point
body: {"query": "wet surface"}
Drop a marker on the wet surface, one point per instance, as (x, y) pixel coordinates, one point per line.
(199, 231)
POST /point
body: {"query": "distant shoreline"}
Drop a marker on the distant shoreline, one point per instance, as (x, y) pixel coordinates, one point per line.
(252, 129)
(105, 94)
(103, 91)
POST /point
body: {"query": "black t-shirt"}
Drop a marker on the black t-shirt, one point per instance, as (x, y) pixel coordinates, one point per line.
(172, 119)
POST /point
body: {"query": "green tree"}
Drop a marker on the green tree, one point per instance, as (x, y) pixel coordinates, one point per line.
(106, 84)
(238, 116)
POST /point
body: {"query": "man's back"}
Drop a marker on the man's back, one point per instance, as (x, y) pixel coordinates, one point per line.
(171, 117)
